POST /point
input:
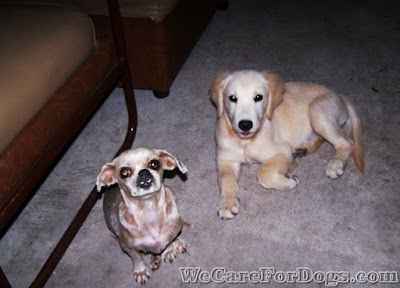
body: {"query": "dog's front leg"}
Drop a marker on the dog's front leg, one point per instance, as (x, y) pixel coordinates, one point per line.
(140, 270)
(274, 173)
(228, 173)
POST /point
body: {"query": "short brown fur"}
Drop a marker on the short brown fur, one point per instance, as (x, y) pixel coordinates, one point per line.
(141, 211)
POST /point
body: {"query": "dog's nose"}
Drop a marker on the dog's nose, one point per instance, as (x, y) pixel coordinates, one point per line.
(145, 179)
(245, 125)
(144, 173)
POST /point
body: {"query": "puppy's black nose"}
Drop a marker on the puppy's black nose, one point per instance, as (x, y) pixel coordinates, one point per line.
(145, 179)
(245, 125)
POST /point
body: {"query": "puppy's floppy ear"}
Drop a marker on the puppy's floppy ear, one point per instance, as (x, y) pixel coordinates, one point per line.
(276, 89)
(170, 162)
(107, 176)
(217, 87)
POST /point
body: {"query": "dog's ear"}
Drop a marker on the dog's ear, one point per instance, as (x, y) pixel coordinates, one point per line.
(276, 89)
(217, 87)
(170, 162)
(107, 176)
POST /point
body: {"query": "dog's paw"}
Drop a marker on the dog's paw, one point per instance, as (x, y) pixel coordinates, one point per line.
(169, 254)
(334, 168)
(293, 181)
(155, 262)
(288, 182)
(279, 182)
(142, 275)
(228, 209)
(180, 245)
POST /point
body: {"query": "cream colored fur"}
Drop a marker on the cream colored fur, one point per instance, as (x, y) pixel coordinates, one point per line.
(283, 119)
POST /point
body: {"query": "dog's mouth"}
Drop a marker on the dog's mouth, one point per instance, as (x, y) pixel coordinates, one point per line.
(245, 134)
(145, 180)
(245, 129)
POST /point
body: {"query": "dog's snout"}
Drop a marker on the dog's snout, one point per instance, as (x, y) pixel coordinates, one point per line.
(144, 173)
(145, 179)
(245, 125)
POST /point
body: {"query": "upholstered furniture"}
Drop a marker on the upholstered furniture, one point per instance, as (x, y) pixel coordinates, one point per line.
(55, 72)
(160, 35)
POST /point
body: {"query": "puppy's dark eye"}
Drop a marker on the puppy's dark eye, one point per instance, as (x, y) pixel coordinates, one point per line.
(258, 98)
(154, 164)
(125, 172)
(233, 98)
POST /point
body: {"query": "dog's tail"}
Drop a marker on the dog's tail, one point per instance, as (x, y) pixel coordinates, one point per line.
(358, 153)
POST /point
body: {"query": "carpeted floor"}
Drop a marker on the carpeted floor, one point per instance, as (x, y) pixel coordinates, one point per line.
(351, 224)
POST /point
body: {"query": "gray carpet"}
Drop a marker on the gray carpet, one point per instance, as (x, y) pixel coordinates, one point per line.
(350, 224)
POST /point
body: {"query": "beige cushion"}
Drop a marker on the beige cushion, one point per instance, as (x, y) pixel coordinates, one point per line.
(41, 46)
(156, 10)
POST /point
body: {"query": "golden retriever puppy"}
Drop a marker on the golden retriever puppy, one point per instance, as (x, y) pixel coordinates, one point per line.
(261, 120)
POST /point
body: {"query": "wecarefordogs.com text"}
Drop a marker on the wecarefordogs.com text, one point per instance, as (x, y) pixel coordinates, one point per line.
(265, 275)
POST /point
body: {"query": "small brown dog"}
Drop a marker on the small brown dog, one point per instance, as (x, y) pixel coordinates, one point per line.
(262, 120)
(141, 211)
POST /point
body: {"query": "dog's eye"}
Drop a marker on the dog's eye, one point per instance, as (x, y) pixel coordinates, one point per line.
(233, 98)
(258, 98)
(125, 172)
(154, 164)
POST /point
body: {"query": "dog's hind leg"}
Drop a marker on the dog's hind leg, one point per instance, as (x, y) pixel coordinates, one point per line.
(155, 261)
(273, 173)
(328, 114)
(315, 142)
(169, 254)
